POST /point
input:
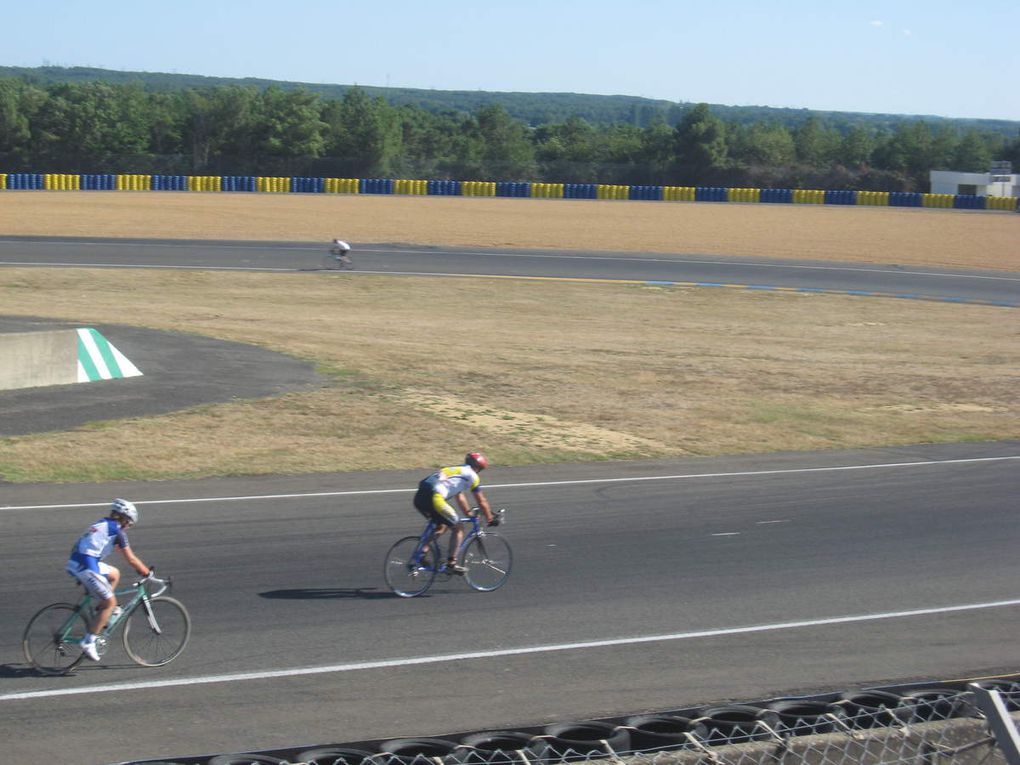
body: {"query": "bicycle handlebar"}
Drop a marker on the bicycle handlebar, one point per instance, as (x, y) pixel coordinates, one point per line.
(163, 584)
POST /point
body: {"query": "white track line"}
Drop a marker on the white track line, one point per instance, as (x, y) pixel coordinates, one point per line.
(575, 482)
(443, 658)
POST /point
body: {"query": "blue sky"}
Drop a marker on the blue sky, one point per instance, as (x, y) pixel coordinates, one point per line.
(952, 58)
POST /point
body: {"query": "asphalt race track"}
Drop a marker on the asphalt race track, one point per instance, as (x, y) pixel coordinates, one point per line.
(636, 586)
(998, 288)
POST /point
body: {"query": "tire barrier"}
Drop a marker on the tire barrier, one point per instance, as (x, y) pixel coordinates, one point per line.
(333, 755)
(504, 747)
(665, 732)
(584, 740)
(737, 724)
(532, 189)
(830, 722)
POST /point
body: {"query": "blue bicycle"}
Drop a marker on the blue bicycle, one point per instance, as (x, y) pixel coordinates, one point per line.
(413, 563)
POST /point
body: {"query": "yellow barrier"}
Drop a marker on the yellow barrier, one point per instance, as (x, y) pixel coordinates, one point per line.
(878, 198)
(743, 195)
(1001, 203)
(61, 182)
(3, 181)
(134, 182)
(547, 190)
(678, 193)
(937, 200)
(272, 184)
(478, 188)
(205, 183)
(612, 191)
(808, 197)
(346, 186)
(409, 187)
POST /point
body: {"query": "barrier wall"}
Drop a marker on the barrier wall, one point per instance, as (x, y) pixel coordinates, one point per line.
(531, 189)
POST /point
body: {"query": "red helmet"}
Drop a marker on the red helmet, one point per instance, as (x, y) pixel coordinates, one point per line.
(476, 460)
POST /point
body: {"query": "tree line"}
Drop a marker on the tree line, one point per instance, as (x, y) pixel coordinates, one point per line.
(95, 127)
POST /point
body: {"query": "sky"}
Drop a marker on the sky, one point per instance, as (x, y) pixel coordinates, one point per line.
(947, 58)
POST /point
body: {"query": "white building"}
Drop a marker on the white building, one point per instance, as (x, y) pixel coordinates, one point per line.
(980, 184)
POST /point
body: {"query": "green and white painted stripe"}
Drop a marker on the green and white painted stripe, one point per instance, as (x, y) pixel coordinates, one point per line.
(98, 359)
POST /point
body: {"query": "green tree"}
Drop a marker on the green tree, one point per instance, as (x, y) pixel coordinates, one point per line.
(288, 124)
(701, 149)
(763, 144)
(220, 123)
(506, 148)
(815, 145)
(856, 148)
(16, 116)
(364, 132)
(972, 154)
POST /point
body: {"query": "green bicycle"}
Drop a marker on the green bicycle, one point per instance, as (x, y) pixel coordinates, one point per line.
(154, 629)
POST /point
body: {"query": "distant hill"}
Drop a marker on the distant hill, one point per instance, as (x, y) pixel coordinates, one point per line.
(532, 108)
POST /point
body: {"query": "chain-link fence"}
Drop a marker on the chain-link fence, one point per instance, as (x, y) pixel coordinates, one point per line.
(931, 725)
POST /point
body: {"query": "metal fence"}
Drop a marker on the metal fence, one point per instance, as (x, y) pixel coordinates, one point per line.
(910, 726)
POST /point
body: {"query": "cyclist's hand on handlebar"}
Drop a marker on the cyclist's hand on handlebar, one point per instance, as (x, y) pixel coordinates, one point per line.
(497, 517)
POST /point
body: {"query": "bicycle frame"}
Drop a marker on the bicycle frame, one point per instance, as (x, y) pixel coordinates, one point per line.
(428, 536)
(140, 595)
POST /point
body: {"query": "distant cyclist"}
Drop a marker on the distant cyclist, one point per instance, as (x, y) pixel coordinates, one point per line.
(342, 252)
(434, 491)
(99, 578)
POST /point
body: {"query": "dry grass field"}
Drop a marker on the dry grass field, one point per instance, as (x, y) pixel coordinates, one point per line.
(554, 371)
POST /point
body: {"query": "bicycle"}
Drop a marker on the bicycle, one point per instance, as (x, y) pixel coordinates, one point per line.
(337, 258)
(154, 629)
(413, 563)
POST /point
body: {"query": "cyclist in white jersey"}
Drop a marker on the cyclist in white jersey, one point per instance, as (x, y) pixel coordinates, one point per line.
(451, 483)
(99, 578)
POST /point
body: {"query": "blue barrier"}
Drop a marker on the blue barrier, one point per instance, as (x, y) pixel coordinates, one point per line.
(968, 202)
(98, 182)
(651, 193)
(376, 185)
(238, 183)
(25, 181)
(443, 188)
(777, 196)
(905, 199)
(302, 185)
(169, 183)
(841, 197)
(709, 194)
(580, 191)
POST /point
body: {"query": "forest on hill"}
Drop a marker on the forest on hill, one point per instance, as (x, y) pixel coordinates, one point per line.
(78, 120)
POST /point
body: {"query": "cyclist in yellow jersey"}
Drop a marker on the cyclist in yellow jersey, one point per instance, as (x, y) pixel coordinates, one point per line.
(434, 491)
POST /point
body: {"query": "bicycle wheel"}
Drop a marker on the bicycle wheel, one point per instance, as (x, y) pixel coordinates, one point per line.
(155, 641)
(331, 262)
(488, 560)
(404, 575)
(52, 637)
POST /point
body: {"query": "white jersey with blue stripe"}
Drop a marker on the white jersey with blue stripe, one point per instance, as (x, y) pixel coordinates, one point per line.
(97, 542)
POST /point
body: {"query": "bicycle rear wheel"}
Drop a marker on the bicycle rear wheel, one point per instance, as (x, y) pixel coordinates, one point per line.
(159, 639)
(408, 571)
(52, 637)
(331, 262)
(488, 560)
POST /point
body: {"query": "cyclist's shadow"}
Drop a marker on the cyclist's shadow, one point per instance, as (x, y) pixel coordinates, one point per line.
(328, 593)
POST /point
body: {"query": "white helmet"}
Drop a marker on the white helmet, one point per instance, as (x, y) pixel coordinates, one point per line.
(126, 509)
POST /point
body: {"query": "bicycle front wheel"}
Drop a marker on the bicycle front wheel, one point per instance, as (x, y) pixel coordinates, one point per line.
(488, 560)
(157, 635)
(331, 262)
(408, 571)
(51, 642)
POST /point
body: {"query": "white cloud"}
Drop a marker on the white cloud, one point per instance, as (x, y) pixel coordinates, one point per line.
(876, 23)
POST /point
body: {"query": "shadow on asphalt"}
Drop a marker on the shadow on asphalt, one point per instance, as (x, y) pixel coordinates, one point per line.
(328, 593)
